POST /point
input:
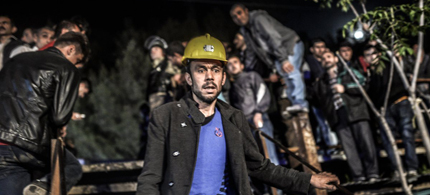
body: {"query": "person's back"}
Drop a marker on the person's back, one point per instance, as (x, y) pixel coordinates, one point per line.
(29, 86)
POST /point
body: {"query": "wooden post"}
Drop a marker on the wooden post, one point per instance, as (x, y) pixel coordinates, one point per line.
(307, 146)
(266, 154)
(57, 167)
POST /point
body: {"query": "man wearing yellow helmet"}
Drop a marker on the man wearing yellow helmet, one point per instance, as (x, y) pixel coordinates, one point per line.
(199, 145)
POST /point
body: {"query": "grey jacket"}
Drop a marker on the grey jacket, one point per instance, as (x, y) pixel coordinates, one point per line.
(269, 39)
(172, 149)
(249, 94)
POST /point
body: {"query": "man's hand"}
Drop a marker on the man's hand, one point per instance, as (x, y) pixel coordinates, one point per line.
(77, 116)
(321, 180)
(63, 131)
(287, 67)
(339, 88)
(258, 120)
(273, 78)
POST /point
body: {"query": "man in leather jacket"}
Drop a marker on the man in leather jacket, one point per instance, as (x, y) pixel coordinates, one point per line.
(37, 94)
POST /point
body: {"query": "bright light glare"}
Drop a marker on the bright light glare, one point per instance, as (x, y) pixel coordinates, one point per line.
(358, 34)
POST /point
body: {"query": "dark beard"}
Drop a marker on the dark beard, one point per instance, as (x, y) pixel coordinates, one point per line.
(199, 95)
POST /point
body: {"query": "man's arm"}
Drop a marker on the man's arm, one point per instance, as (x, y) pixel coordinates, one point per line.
(267, 25)
(278, 176)
(65, 96)
(262, 98)
(152, 172)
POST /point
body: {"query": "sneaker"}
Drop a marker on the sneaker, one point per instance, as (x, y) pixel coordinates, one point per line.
(36, 188)
(374, 178)
(412, 176)
(286, 115)
(296, 108)
(395, 177)
(359, 179)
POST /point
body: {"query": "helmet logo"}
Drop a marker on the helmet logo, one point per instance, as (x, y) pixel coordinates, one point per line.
(209, 48)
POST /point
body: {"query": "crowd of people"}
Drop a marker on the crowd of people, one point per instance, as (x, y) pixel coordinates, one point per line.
(267, 66)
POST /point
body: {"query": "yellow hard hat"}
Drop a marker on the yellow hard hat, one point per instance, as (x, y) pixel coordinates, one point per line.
(204, 47)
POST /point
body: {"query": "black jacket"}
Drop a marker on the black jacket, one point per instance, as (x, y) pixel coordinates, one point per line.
(37, 94)
(354, 101)
(173, 138)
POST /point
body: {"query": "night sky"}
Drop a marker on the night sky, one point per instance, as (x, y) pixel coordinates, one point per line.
(107, 19)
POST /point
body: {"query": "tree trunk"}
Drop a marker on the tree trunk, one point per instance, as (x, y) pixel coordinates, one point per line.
(385, 128)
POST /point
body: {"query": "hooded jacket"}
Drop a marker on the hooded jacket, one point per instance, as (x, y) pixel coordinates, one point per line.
(268, 38)
(37, 94)
(249, 94)
(171, 154)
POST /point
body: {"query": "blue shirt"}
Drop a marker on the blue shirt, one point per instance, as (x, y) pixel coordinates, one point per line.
(211, 164)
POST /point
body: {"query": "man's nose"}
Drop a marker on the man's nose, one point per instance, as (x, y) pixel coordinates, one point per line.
(209, 75)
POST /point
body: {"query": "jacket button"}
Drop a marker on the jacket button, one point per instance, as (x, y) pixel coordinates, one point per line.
(176, 153)
(171, 184)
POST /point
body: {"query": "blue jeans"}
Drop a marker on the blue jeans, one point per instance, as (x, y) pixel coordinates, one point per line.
(399, 117)
(271, 147)
(17, 165)
(295, 84)
(323, 130)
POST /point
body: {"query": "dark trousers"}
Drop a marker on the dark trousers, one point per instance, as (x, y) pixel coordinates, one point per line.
(17, 166)
(358, 143)
(399, 118)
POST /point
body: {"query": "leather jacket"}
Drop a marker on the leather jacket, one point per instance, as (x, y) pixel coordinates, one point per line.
(37, 94)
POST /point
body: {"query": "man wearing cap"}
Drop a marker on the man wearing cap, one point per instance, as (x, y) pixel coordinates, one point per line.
(199, 145)
(159, 89)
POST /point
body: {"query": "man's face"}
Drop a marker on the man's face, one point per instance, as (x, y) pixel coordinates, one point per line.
(206, 78)
(156, 53)
(318, 49)
(83, 90)
(238, 41)
(234, 66)
(240, 16)
(43, 37)
(328, 59)
(346, 53)
(175, 59)
(371, 56)
(6, 27)
(28, 36)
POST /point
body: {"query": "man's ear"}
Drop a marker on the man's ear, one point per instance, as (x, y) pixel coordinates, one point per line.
(14, 29)
(223, 78)
(188, 79)
(311, 49)
(71, 50)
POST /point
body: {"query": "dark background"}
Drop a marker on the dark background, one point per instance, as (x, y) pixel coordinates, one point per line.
(108, 19)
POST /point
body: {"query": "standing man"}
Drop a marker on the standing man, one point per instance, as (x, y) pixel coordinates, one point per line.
(399, 114)
(38, 92)
(9, 45)
(203, 146)
(317, 48)
(249, 94)
(279, 47)
(346, 110)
